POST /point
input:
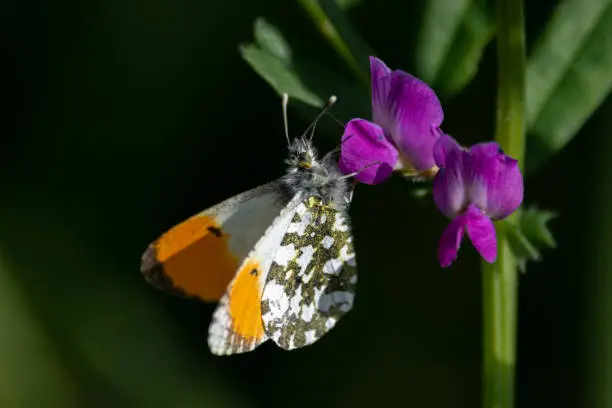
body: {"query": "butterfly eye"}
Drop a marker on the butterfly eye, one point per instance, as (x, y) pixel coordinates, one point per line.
(304, 160)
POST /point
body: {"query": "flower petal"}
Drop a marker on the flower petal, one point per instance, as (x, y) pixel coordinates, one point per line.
(412, 115)
(450, 241)
(494, 180)
(364, 143)
(444, 147)
(380, 78)
(378, 68)
(449, 190)
(488, 149)
(481, 231)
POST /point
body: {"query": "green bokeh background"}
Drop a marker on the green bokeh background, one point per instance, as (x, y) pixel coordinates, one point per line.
(123, 117)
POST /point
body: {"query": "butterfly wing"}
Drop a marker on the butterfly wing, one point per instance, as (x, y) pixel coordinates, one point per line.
(237, 322)
(311, 283)
(199, 257)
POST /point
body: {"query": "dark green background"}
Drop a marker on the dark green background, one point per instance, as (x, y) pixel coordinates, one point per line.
(123, 117)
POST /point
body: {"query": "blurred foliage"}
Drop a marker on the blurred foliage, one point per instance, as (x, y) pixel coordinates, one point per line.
(568, 74)
(124, 114)
(452, 39)
(39, 366)
(347, 4)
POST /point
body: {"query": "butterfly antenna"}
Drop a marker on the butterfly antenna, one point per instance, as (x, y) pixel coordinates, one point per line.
(338, 121)
(359, 171)
(330, 102)
(285, 102)
(338, 148)
(331, 153)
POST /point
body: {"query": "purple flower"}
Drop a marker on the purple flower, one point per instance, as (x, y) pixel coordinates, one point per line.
(473, 187)
(406, 116)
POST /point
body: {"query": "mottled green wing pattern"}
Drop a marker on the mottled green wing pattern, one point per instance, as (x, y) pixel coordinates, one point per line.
(313, 277)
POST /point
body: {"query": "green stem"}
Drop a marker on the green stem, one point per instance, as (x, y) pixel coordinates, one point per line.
(499, 280)
(336, 28)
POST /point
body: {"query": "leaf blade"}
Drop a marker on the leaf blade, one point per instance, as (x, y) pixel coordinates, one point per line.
(462, 60)
(530, 234)
(452, 39)
(567, 75)
(278, 75)
(441, 19)
(301, 76)
(270, 39)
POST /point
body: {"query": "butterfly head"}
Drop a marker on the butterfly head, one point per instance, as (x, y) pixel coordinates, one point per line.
(311, 176)
(302, 156)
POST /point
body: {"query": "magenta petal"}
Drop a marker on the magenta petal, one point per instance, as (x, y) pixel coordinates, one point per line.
(481, 231)
(449, 190)
(381, 79)
(378, 69)
(489, 149)
(444, 147)
(364, 143)
(413, 115)
(450, 241)
(494, 180)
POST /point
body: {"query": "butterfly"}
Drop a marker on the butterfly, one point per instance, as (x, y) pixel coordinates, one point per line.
(279, 258)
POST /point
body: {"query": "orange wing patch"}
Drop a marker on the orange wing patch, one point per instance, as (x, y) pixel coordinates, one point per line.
(237, 326)
(245, 303)
(192, 259)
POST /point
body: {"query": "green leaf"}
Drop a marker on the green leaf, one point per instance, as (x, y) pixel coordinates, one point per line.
(568, 75)
(441, 20)
(270, 39)
(451, 41)
(302, 77)
(463, 58)
(529, 234)
(333, 23)
(280, 75)
(534, 225)
(522, 249)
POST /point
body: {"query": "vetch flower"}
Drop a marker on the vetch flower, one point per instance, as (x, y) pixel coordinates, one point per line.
(473, 187)
(406, 115)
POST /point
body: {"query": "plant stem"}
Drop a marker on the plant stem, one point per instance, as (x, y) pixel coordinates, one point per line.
(499, 280)
(336, 28)
(510, 132)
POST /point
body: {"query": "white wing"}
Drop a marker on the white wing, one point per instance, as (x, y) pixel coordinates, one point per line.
(237, 324)
(311, 283)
